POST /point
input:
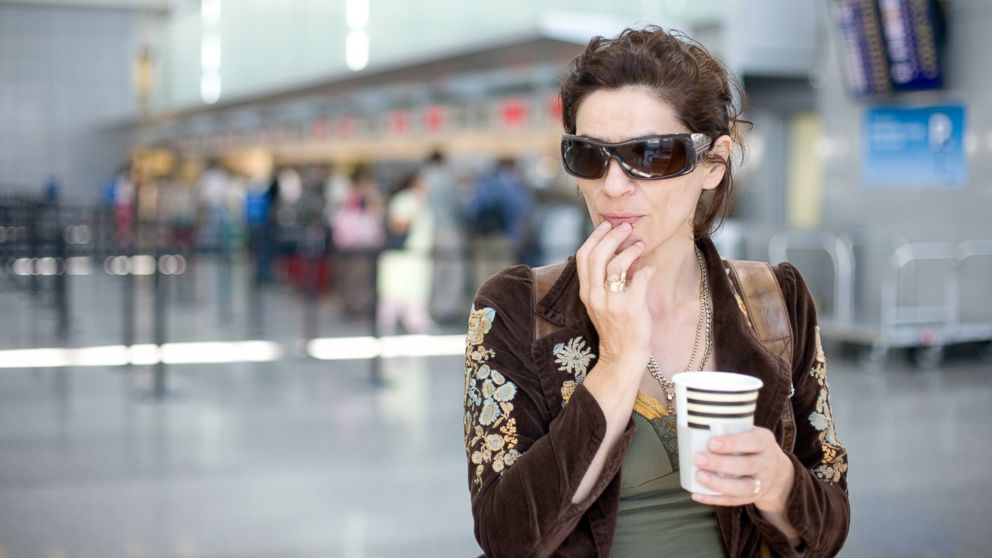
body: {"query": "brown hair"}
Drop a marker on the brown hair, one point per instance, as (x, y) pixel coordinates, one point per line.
(682, 73)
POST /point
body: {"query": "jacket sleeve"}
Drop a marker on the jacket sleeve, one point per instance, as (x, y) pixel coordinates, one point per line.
(818, 506)
(523, 466)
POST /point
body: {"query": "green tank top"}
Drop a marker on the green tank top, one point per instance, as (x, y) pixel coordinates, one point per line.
(657, 517)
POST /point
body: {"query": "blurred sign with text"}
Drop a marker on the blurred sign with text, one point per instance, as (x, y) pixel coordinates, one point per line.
(915, 147)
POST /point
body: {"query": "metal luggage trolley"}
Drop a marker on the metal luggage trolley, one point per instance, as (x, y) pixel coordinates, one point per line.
(976, 327)
(923, 328)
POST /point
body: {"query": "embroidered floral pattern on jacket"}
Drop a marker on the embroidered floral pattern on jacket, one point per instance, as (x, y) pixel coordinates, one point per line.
(490, 430)
(834, 462)
(572, 358)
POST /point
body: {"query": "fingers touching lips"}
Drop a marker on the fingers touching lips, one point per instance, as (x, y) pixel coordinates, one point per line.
(617, 219)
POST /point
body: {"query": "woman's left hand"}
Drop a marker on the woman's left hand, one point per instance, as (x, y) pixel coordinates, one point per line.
(746, 468)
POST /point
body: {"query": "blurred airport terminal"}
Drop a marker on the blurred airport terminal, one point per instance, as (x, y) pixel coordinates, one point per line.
(239, 240)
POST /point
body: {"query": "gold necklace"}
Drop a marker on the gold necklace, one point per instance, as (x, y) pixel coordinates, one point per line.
(704, 329)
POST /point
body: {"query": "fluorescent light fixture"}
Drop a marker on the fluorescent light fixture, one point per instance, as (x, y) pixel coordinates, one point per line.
(221, 352)
(210, 51)
(34, 358)
(356, 50)
(341, 348)
(112, 355)
(210, 11)
(79, 265)
(117, 265)
(356, 13)
(210, 89)
(172, 265)
(143, 265)
(344, 348)
(210, 54)
(357, 348)
(46, 266)
(22, 266)
(143, 354)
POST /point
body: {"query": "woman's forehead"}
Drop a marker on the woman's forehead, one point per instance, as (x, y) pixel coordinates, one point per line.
(615, 115)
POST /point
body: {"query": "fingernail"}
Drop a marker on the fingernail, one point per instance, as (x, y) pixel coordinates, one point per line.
(639, 244)
(716, 444)
(701, 459)
(625, 226)
(604, 225)
(705, 477)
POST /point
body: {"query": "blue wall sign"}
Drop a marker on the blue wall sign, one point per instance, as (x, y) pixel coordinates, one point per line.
(915, 147)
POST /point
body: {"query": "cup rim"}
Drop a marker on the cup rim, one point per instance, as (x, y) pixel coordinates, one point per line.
(717, 382)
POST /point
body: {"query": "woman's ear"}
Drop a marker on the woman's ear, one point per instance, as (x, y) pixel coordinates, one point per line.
(715, 171)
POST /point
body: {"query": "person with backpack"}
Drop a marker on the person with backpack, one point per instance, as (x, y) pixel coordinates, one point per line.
(497, 213)
(569, 416)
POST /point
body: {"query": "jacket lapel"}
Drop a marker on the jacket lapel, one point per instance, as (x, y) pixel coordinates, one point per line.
(568, 353)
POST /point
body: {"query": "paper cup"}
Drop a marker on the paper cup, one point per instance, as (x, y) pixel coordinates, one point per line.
(710, 404)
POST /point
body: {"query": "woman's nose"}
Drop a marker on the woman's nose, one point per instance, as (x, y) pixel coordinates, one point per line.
(616, 182)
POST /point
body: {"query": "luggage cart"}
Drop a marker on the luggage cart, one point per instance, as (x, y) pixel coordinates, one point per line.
(923, 328)
(977, 328)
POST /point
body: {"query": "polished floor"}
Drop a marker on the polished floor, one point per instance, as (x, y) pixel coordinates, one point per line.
(298, 457)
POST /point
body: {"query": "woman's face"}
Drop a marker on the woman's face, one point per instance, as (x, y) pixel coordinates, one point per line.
(659, 210)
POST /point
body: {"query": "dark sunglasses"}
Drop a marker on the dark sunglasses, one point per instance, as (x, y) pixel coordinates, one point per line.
(648, 158)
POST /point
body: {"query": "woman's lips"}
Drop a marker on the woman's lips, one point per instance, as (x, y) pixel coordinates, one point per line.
(617, 220)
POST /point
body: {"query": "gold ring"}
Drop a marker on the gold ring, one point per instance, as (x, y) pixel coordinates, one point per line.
(757, 488)
(616, 283)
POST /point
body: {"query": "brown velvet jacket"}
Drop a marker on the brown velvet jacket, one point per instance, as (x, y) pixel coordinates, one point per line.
(532, 429)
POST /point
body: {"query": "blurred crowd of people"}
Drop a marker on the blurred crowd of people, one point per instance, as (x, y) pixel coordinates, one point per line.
(409, 242)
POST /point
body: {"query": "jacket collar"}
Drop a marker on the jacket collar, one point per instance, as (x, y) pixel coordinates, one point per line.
(562, 305)
(737, 347)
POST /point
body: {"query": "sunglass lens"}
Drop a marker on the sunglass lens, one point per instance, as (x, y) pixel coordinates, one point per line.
(657, 157)
(582, 159)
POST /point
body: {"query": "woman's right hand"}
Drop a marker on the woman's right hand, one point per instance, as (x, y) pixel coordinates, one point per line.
(621, 318)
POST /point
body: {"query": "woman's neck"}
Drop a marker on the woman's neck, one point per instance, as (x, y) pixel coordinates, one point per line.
(676, 279)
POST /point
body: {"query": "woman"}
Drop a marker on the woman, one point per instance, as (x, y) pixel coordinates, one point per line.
(357, 233)
(569, 433)
(404, 279)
